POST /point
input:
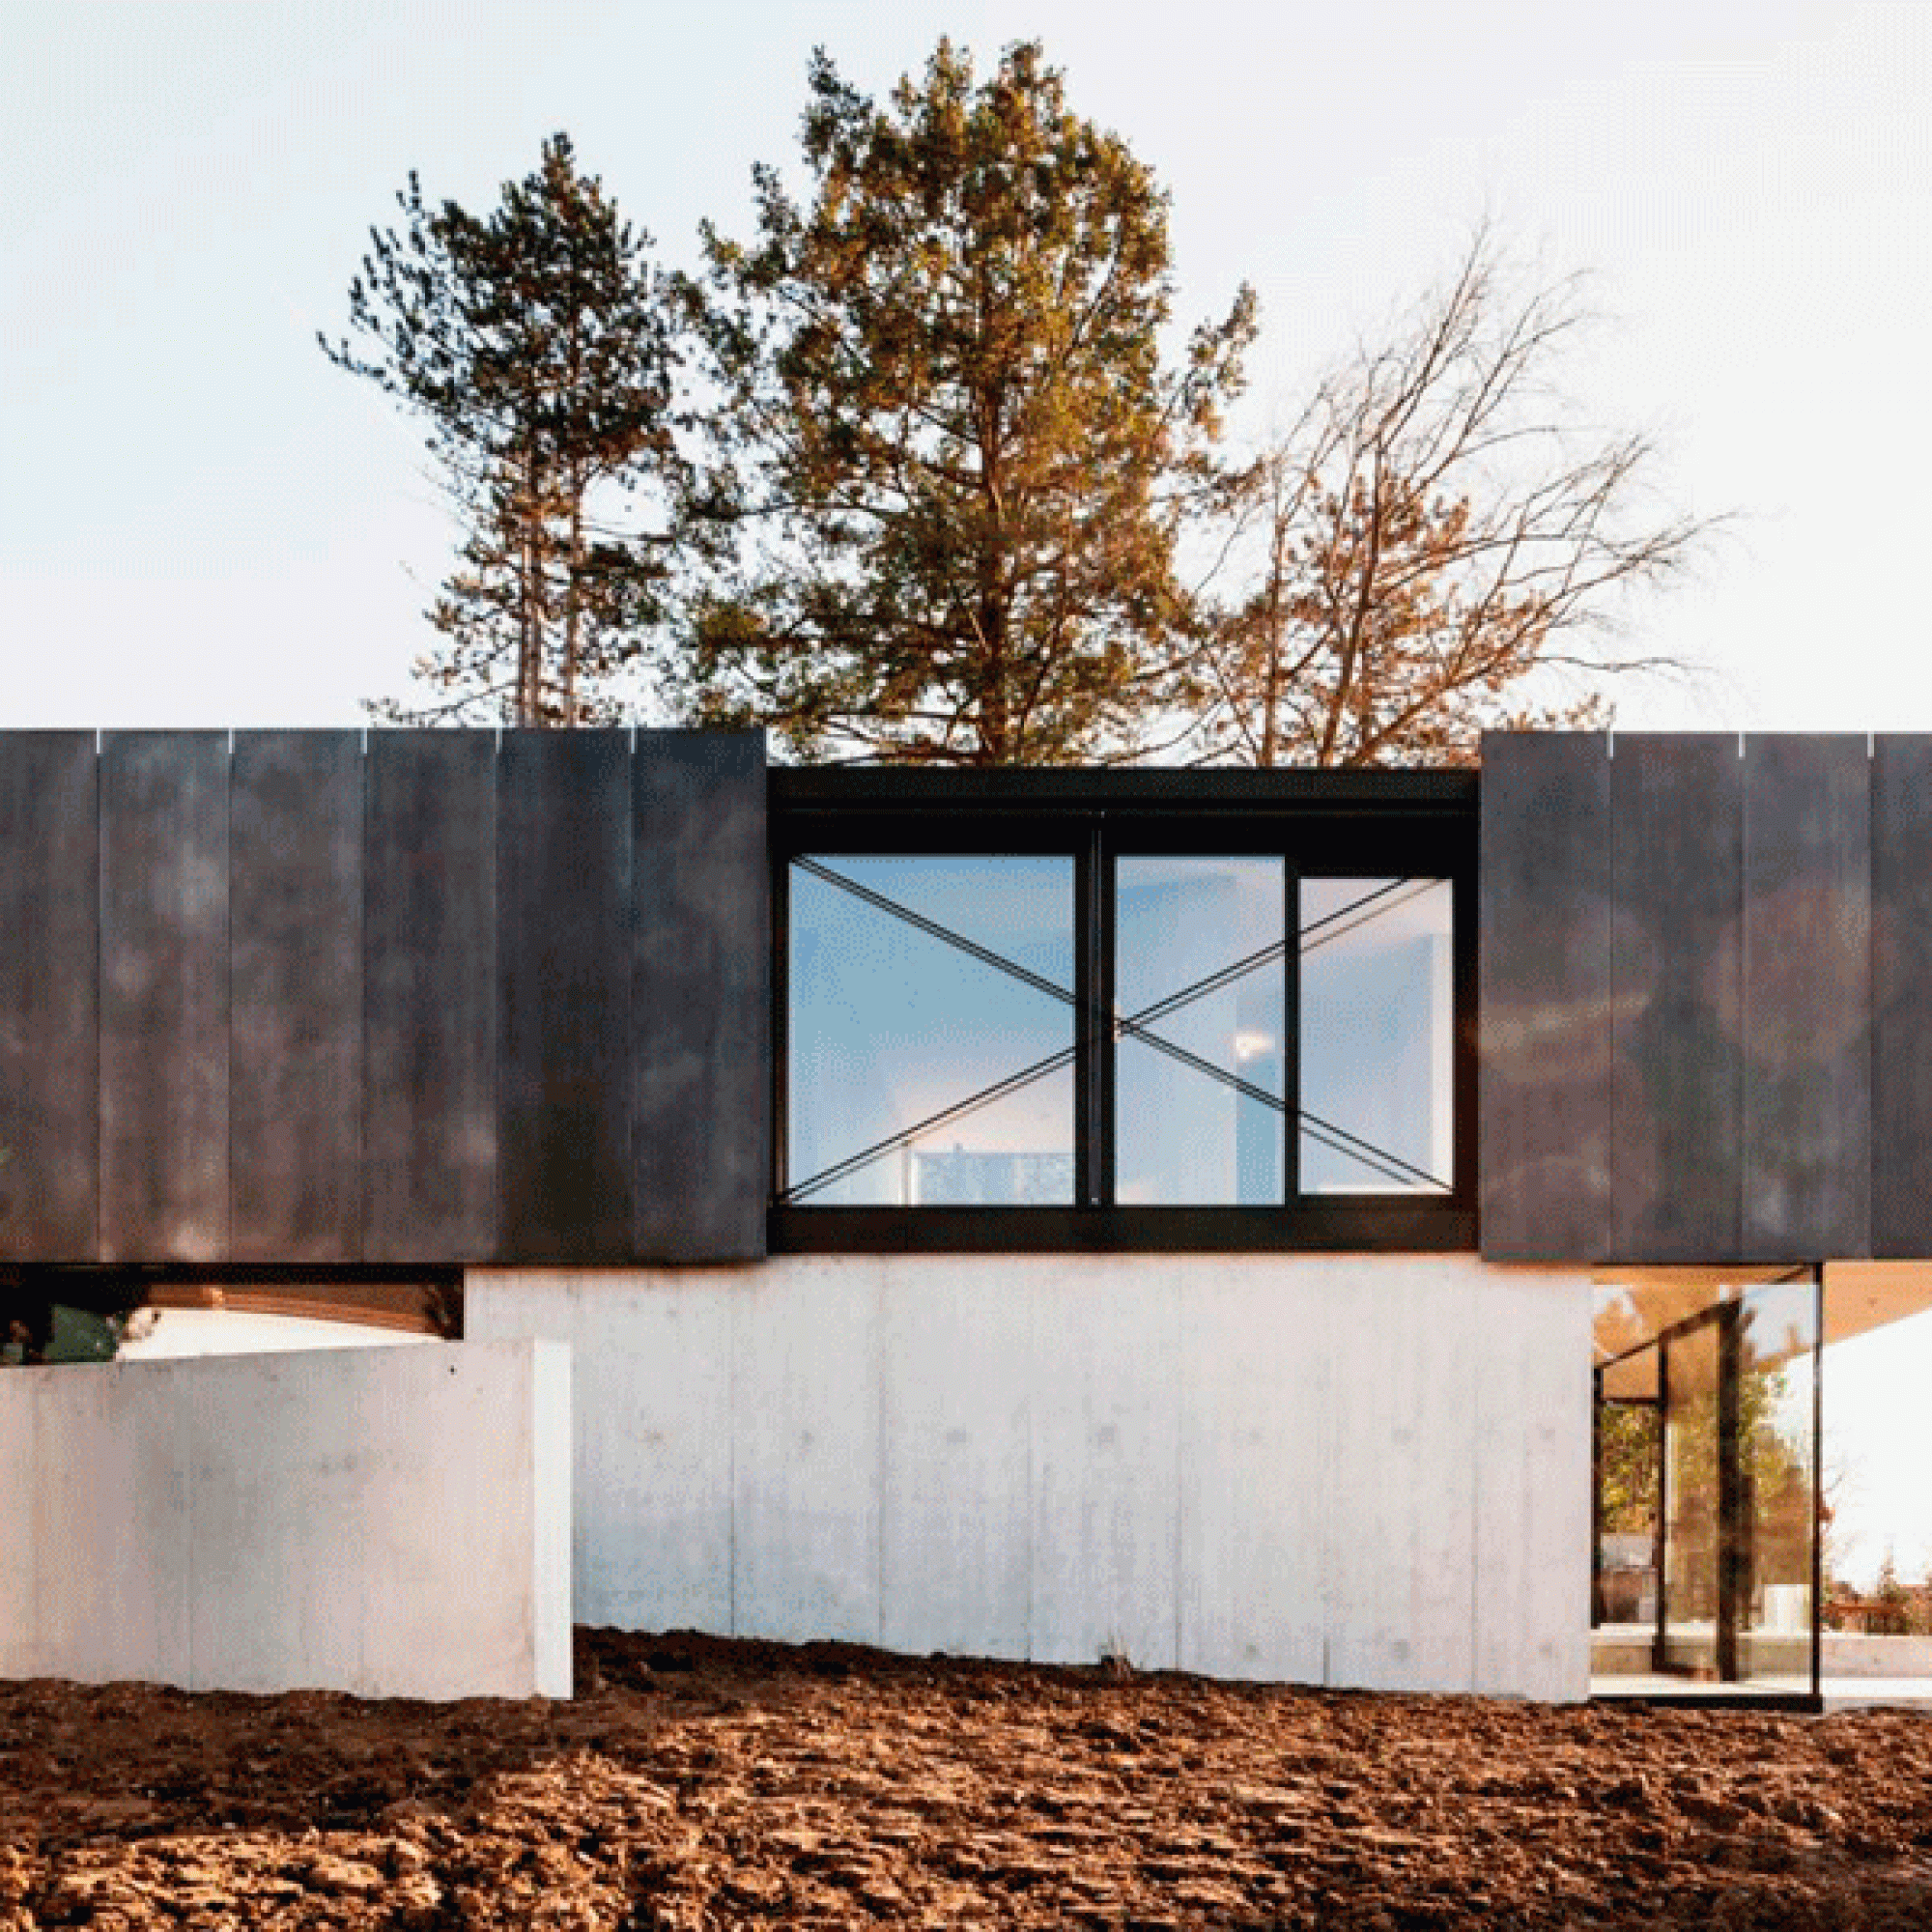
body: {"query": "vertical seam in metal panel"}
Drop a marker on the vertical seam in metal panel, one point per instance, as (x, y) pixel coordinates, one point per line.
(627, 904)
(1874, 1138)
(494, 1002)
(226, 1244)
(1608, 1234)
(1746, 1016)
(227, 1247)
(100, 996)
(627, 1085)
(359, 1160)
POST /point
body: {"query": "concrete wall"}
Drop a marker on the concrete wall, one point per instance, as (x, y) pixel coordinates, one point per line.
(389, 1522)
(1366, 1471)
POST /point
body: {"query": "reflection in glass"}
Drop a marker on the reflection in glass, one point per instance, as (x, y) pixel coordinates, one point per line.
(1377, 1037)
(1630, 1462)
(1692, 1501)
(931, 1013)
(1199, 996)
(1777, 1332)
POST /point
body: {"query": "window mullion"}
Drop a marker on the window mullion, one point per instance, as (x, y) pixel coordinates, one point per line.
(1291, 1033)
(1093, 1102)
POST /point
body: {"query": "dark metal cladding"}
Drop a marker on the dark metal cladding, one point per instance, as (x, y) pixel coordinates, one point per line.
(1677, 818)
(701, 1064)
(1544, 914)
(564, 960)
(295, 996)
(1807, 1068)
(430, 1183)
(49, 996)
(164, 996)
(1901, 1208)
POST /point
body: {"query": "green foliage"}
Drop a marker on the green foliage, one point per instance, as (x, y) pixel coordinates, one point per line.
(958, 458)
(64, 1315)
(1899, 1609)
(1627, 1468)
(538, 345)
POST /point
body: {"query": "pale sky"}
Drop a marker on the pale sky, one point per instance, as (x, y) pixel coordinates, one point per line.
(205, 524)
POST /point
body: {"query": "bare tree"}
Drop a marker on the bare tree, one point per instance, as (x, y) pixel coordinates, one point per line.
(1439, 544)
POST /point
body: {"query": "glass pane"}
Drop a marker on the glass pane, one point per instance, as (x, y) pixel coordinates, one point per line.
(1630, 1456)
(931, 1031)
(1692, 1501)
(1199, 996)
(1377, 1037)
(1778, 1336)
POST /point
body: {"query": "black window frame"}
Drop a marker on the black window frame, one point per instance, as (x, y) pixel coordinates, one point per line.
(1374, 824)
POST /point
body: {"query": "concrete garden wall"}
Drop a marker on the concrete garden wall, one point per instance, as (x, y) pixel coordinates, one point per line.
(389, 1522)
(1363, 1470)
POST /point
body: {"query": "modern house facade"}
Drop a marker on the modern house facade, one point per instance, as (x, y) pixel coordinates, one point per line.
(1053, 1215)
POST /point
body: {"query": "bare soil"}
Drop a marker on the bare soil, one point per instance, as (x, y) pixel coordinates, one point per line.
(701, 1784)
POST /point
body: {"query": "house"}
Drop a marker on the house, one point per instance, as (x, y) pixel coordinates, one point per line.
(1199, 1217)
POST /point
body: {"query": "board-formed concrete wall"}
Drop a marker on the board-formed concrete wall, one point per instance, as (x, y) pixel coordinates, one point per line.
(389, 1522)
(1353, 1470)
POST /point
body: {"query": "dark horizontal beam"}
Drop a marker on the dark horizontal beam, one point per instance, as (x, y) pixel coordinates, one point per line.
(1358, 1225)
(1108, 789)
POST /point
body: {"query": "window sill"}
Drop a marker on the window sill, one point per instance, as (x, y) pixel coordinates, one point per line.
(1382, 1224)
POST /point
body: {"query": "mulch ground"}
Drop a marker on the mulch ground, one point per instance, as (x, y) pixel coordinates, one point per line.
(699, 1783)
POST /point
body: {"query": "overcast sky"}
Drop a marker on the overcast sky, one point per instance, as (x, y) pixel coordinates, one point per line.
(204, 522)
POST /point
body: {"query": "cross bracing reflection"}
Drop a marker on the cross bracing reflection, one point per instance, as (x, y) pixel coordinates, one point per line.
(1332, 924)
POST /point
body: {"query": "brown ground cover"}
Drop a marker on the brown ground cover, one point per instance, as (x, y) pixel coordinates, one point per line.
(695, 1782)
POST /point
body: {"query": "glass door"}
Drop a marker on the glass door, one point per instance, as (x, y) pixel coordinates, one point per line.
(1695, 1620)
(1776, 1433)
(1707, 1498)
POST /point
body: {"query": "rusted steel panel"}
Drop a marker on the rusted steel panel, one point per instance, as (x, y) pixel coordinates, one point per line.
(164, 996)
(1807, 999)
(430, 1181)
(1901, 1206)
(1544, 906)
(296, 967)
(49, 997)
(1677, 820)
(701, 1054)
(564, 961)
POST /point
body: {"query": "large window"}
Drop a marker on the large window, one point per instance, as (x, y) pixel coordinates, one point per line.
(1126, 1029)
(1199, 1024)
(1378, 1036)
(932, 1031)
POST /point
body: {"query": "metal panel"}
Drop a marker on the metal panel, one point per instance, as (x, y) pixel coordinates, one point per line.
(1544, 899)
(429, 1185)
(164, 996)
(564, 960)
(49, 996)
(1807, 998)
(1901, 1206)
(1676, 808)
(296, 987)
(701, 1072)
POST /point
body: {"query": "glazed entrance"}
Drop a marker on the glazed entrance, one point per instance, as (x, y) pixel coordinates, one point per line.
(1706, 1576)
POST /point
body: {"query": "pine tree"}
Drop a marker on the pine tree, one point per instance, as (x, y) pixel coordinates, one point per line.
(540, 347)
(958, 456)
